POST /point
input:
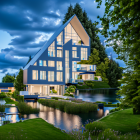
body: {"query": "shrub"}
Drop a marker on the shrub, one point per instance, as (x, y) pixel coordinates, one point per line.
(138, 127)
(101, 102)
(2, 95)
(56, 98)
(10, 101)
(2, 108)
(95, 127)
(82, 87)
(68, 94)
(26, 109)
(112, 110)
(80, 83)
(110, 105)
(95, 78)
(54, 91)
(89, 83)
(71, 89)
(118, 104)
(109, 102)
(69, 107)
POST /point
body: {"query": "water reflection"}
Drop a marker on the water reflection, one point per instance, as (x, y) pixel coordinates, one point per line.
(2, 102)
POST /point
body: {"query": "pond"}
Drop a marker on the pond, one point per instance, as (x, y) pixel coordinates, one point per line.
(64, 120)
(105, 95)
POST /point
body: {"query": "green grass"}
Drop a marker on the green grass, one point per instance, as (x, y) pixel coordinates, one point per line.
(10, 101)
(33, 129)
(97, 84)
(123, 121)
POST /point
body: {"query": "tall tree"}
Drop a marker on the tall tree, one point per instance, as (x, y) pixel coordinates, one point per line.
(19, 81)
(69, 14)
(125, 41)
(8, 79)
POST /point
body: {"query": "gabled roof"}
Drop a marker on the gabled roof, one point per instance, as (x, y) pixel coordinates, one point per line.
(6, 85)
(79, 30)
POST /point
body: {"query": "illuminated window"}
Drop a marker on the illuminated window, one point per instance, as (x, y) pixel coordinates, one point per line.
(51, 76)
(60, 39)
(51, 63)
(59, 65)
(74, 52)
(42, 75)
(35, 74)
(35, 64)
(83, 53)
(59, 53)
(51, 50)
(44, 63)
(60, 76)
(40, 63)
(74, 65)
(70, 33)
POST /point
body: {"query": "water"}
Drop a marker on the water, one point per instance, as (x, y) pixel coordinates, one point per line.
(2, 102)
(63, 120)
(105, 95)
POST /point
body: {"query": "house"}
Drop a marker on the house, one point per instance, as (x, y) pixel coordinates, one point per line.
(5, 87)
(55, 65)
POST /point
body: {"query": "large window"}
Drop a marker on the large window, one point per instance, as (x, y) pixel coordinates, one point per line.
(51, 76)
(59, 53)
(51, 63)
(74, 52)
(51, 50)
(42, 63)
(35, 74)
(84, 53)
(60, 76)
(60, 39)
(42, 75)
(70, 33)
(59, 65)
(74, 65)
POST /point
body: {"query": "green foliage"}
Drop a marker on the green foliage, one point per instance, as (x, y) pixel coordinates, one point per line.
(118, 104)
(19, 81)
(89, 83)
(9, 90)
(113, 73)
(69, 107)
(2, 108)
(71, 89)
(54, 91)
(126, 15)
(101, 102)
(109, 102)
(8, 79)
(6, 122)
(56, 98)
(80, 83)
(9, 94)
(10, 101)
(110, 105)
(95, 78)
(95, 127)
(68, 94)
(2, 95)
(26, 109)
(138, 127)
(17, 96)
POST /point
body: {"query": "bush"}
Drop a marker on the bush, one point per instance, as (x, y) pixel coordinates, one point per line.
(56, 98)
(95, 127)
(95, 78)
(110, 105)
(109, 102)
(82, 87)
(10, 101)
(138, 127)
(80, 83)
(101, 102)
(113, 110)
(26, 109)
(9, 94)
(68, 94)
(2, 108)
(69, 107)
(89, 83)
(2, 95)
(54, 91)
(118, 104)
(71, 89)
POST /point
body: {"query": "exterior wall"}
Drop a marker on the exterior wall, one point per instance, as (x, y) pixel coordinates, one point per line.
(7, 89)
(25, 76)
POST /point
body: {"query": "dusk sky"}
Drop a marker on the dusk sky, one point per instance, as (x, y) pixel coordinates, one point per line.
(25, 26)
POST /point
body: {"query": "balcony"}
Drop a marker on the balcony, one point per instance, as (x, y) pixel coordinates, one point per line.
(75, 80)
(86, 67)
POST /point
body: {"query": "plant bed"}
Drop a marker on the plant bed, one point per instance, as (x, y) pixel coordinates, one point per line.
(69, 107)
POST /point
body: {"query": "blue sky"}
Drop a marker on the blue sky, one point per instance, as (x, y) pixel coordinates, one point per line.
(26, 25)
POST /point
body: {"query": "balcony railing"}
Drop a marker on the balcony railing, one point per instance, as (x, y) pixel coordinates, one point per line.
(86, 68)
(75, 80)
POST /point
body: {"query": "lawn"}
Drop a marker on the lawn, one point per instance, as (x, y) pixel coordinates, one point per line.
(33, 129)
(123, 121)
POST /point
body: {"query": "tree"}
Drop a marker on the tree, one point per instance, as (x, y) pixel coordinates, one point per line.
(113, 73)
(19, 81)
(125, 15)
(8, 79)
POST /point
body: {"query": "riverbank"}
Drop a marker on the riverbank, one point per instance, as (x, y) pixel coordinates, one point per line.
(97, 85)
(124, 121)
(32, 129)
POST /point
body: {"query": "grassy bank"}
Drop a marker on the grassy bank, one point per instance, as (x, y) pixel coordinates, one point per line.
(10, 101)
(33, 129)
(123, 121)
(69, 107)
(97, 84)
